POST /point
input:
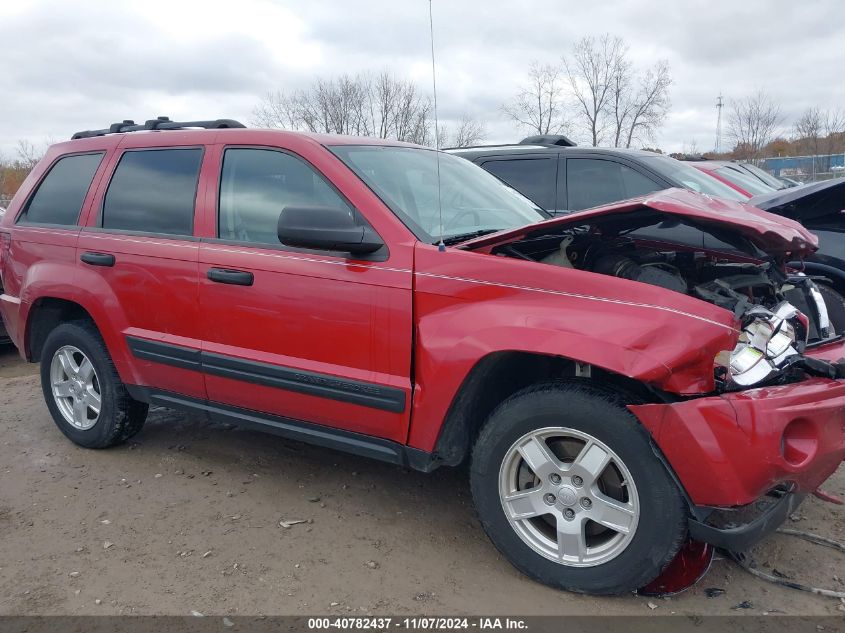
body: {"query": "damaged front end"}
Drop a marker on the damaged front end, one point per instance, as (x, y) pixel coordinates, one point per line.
(769, 426)
(770, 350)
(731, 256)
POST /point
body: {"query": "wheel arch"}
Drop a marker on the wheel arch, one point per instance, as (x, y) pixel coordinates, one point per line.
(44, 315)
(499, 375)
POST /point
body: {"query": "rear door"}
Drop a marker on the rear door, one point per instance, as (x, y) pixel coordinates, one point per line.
(309, 335)
(140, 243)
(47, 229)
(592, 181)
(533, 175)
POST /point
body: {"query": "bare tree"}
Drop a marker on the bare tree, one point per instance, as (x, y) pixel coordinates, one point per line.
(639, 104)
(29, 154)
(540, 107)
(363, 105)
(809, 130)
(593, 70)
(834, 130)
(752, 123)
(470, 132)
(691, 148)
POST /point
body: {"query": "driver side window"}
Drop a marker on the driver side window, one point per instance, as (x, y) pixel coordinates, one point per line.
(257, 184)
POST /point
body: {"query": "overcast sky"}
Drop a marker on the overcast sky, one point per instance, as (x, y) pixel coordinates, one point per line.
(69, 65)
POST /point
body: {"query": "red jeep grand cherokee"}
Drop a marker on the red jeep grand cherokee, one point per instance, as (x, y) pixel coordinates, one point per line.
(615, 394)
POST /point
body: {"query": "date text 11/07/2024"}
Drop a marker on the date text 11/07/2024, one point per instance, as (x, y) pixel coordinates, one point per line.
(417, 623)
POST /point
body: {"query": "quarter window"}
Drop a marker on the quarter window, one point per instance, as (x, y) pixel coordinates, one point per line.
(256, 184)
(154, 191)
(591, 182)
(59, 198)
(534, 178)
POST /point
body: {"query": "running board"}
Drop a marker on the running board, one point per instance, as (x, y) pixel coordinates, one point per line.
(310, 433)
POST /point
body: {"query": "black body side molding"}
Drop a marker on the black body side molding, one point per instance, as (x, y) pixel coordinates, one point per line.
(310, 383)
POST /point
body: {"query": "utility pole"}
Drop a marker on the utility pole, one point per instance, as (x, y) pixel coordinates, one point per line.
(719, 105)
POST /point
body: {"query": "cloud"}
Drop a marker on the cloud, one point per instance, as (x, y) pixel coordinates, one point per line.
(72, 66)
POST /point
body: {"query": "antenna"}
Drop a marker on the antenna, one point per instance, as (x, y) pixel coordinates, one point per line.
(719, 124)
(441, 246)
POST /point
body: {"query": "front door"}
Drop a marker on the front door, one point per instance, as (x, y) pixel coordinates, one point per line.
(308, 335)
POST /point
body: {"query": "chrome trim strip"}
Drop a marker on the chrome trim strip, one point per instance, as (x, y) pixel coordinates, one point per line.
(578, 296)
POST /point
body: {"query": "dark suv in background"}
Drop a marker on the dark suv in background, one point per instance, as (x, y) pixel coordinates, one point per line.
(562, 177)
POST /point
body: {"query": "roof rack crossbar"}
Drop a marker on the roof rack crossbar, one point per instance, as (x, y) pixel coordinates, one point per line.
(160, 123)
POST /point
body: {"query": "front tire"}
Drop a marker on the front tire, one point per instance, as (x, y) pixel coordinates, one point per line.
(568, 488)
(83, 391)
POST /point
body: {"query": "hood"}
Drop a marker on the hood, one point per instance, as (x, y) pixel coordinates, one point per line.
(771, 233)
(805, 202)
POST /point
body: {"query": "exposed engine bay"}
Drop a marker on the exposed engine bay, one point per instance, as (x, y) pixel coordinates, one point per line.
(781, 312)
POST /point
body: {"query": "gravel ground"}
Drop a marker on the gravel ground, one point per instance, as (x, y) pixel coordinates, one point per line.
(187, 518)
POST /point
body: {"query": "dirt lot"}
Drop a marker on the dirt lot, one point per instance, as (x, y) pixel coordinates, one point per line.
(187, 518)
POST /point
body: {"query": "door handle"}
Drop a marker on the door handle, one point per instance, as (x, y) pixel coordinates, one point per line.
(234, 277)
(97, 259)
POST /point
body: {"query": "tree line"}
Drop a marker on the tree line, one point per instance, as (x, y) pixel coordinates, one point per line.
(758, 129)
(380, 105)
(14, 170)
(594, 93)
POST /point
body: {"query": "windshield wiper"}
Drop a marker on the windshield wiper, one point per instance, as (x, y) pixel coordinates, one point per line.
(463, 237)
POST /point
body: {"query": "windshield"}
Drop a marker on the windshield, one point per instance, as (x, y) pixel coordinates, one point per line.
(744, 181)
(763, 175)
(691, 178)
(472, 200)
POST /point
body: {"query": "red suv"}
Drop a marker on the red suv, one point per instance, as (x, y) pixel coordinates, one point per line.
(615, 395)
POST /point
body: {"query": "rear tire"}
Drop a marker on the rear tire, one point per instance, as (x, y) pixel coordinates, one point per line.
(596, 511)
(83, 391)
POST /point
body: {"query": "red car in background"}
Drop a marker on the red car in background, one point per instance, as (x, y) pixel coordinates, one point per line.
(735, 177)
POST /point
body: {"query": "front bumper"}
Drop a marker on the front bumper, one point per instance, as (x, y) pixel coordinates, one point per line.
(739, 529)
(730, 450)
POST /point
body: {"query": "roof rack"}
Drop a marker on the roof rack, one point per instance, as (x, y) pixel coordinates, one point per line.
(160, 123)
(548, 139)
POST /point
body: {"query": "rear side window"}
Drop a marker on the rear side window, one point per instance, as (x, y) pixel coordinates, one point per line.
(256, 184)
(154, 191)
(59, 198)
(591, 182)
(534, 178)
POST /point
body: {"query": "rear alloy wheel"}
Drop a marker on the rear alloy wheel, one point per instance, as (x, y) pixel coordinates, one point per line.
(83, 391)
(76, 387)
(569, 488)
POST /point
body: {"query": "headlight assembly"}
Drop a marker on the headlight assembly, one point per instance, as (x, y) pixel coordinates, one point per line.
(767, 340)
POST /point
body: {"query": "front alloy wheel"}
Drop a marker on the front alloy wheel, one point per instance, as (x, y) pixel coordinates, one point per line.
(568, 486)
(568, 496)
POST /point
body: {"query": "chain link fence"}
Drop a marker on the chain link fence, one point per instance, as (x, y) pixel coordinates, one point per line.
(806, 168)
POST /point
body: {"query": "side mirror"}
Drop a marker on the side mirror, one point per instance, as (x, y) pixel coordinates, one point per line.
(326, 229)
